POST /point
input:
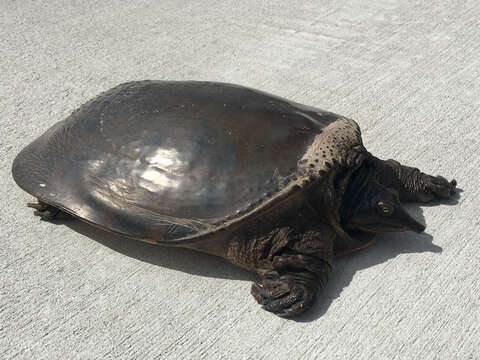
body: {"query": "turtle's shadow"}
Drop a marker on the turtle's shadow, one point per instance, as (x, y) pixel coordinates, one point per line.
(186, 260)
(386, 247)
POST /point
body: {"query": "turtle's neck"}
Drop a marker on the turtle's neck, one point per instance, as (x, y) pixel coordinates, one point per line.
(355, 192)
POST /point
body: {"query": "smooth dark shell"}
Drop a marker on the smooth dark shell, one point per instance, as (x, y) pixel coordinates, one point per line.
(166, 160)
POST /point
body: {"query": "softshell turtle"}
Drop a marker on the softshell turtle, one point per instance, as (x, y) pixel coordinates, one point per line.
(273, 186)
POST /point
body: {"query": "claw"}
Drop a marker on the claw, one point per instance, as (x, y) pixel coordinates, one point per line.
(453, 185)
(257, 293)
(294, 310)
(41, 206)
(43, 210)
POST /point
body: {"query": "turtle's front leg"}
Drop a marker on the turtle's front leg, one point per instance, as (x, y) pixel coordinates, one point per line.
(289, 283)
(411, 183)
(293, 265)
(293, 261)
(47, 212)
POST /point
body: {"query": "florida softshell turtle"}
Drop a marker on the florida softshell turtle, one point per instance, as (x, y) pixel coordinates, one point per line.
(271, 185)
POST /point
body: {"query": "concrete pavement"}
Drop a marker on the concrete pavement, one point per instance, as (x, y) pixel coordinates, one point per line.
(407, 71)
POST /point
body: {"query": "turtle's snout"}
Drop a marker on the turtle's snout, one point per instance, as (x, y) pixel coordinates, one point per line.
(402, 217)
(381, 211)
(418, 227)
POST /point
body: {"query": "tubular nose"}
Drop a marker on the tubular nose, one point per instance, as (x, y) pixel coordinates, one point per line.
(410, 223)
(419, 228)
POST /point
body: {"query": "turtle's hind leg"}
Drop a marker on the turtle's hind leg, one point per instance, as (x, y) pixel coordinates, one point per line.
(412, 184)
(48, 212)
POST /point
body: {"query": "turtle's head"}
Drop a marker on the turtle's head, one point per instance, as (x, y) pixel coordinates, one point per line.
(378, 210)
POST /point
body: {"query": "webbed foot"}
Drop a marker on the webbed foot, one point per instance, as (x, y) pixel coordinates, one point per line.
(47, 212)
(287, 288)
(285, 295)
(436, 188)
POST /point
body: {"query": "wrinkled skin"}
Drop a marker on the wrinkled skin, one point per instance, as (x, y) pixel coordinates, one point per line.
(293, 262)
(289, 283)
(288, 293)
(411, 184)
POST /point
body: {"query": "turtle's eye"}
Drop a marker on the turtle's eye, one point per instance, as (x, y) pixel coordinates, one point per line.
(384, 208)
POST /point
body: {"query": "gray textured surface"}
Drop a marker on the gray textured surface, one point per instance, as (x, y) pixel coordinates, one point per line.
(408, 72)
